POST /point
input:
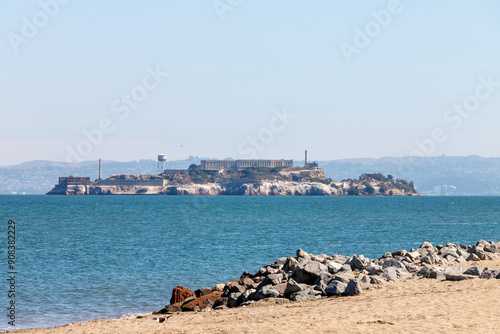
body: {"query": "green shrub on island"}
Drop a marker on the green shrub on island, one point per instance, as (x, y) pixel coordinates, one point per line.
(320, 180)
(353, 192)
(202, 176)
(141, 191)
(369, 189)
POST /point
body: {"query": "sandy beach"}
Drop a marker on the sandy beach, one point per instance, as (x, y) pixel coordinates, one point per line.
(405, 306)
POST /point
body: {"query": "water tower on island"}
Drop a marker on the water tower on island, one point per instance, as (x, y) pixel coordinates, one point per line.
(161, 165)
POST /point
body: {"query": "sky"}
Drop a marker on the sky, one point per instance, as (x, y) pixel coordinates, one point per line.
(128, 80)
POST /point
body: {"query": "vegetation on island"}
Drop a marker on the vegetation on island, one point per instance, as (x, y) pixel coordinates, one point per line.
(368, 184)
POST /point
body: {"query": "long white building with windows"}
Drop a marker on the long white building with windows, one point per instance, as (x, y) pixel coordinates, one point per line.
(242, 164)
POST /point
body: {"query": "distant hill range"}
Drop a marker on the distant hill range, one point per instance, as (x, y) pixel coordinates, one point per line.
(471, 175)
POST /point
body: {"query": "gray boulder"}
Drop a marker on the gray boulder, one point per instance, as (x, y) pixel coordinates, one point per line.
(377, 280)
(358, 262)
(486, 274)
(401, 253)
(323, 277)
(364, 280)
(411, 268)
(308, 273)
(307, 294)
(278, 264)
(458, 277)
(334, 267)
(436, 273)
(313, 270)
(496, 273)
(473, 257)
(335, 288)
(390, 274)
(237, 288)
(393, 263)
(302, 256)
(267, 291)
(232, 299)
(293, 287)
(374, 269)
(340, 278)
(248, 295)
(491, 248)
(346, 268)
(353, 288)
(475, 271)
(429, 258)
(454, 270)
(290, 263)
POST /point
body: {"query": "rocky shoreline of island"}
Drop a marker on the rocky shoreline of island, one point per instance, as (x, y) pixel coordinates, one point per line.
(249, 182)
(310, 277)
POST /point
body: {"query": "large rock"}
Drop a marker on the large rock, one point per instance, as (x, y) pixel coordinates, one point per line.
(358, 262)
(202, 291)
(246, 281)
(314, 269)
(429, 258)
(334, 267)
(308, 273)
(377, 280)
(353, 288)
(307, 294)
(281, 288)
(278, 264)
(458, 277)
(374, 269)
(341, 278)
(292, 287)
(491, 248)
(335, 288)
(179, 294)
(248, 295)
(301, 254)
(232, 299)
(169, 309)
(267, 291)
(219, 287)
(393, 263)
(436, 273)
(323, 277)
(201, 301)
(237, 288)
(390, 274)
(453, 270)
(475, 271)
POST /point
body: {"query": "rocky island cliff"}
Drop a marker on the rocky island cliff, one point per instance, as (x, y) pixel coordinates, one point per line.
(253, 181)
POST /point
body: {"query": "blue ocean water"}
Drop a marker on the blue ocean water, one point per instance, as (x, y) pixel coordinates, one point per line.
(88, 257)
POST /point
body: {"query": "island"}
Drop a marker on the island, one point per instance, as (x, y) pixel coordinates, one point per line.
(238, 177)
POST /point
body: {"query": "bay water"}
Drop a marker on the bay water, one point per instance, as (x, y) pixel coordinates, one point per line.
(87, 257)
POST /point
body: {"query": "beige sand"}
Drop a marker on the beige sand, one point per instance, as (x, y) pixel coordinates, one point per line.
(407, 306)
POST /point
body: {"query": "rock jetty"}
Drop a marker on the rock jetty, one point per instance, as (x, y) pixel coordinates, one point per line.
(307, 276)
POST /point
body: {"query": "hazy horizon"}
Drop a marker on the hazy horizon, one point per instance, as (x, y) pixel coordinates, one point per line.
(230, 158)
(127, 81)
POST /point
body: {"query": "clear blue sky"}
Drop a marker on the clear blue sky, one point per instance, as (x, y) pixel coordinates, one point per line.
(227, 77)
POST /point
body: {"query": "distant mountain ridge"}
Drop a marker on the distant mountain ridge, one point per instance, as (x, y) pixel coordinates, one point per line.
(442, 175)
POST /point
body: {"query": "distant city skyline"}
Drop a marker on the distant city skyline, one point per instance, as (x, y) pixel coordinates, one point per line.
(125, 80)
